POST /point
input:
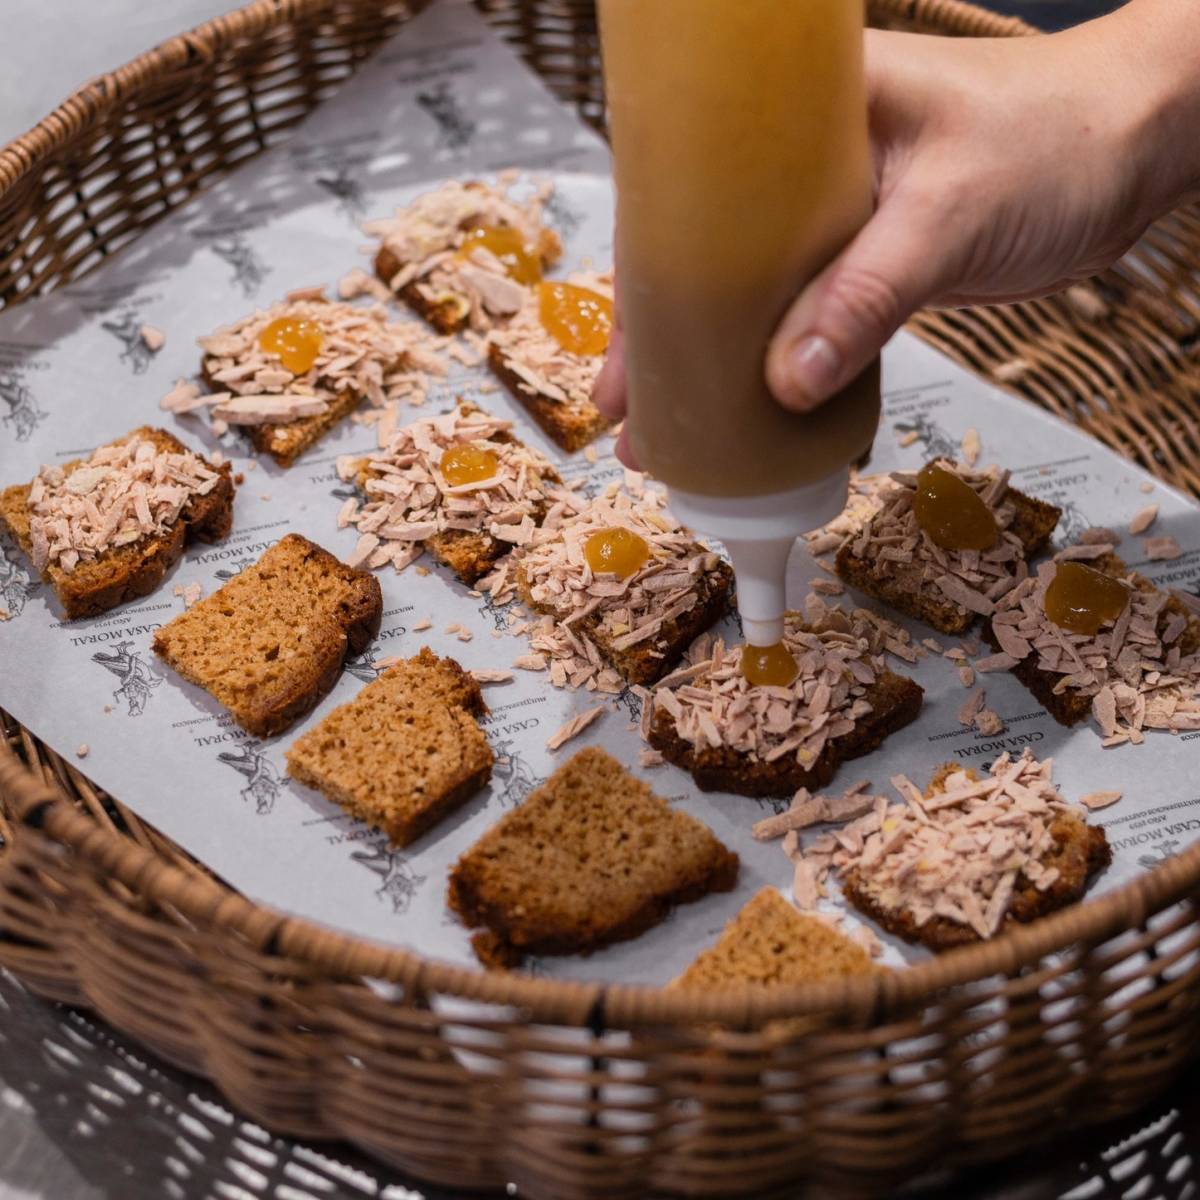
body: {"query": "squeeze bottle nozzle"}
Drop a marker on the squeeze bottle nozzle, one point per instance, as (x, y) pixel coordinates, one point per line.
(758, 533)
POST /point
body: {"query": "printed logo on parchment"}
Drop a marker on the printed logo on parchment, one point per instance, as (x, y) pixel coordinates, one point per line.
(1072, 524)
(234, 568)
(249, 270)
(136, 681)
(126, 327)
(362, 666)
(498, 612)
(934, 441)
(455, 129)
(19, 411)
(513, 774)
(344, 188)
(1158, 855)
(398, 881)
(562, 215)
(16, 583)
(263, 781)
(631, 702)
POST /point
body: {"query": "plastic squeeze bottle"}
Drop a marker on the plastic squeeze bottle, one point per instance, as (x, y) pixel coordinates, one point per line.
(742, 162)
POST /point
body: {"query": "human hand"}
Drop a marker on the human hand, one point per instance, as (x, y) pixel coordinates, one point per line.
(1004, 169)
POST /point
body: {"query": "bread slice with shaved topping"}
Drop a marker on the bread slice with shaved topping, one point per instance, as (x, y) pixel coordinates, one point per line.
(121, 550)
(404, 752)
(592, 857)
(772, 741)
(892, 559)
(271, 642)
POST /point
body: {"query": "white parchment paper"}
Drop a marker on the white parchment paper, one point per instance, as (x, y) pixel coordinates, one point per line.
(446, 99)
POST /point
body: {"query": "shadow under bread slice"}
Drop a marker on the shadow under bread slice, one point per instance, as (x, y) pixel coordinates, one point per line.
(430, 254)
(1138, 671)
(642, 621)
(772, 741)
(971, 855)
(592, 857)
(405, 752)
(271, 642)
(894, 560)
(106, 529)
(285, 376)
(410, 505)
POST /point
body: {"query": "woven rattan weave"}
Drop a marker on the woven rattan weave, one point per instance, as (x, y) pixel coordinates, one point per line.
(581, 1090)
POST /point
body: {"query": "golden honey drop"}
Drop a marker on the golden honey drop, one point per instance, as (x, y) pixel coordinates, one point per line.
(951, 512)
(579, 319)
(768, 666)
(616, 551)
(1081, 599)
(467, 464)
(295, 340)
(521, 262)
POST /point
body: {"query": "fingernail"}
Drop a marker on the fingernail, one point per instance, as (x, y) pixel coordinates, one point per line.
(815, 367)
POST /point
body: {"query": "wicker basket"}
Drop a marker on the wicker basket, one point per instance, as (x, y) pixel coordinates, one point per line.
(583, 1090)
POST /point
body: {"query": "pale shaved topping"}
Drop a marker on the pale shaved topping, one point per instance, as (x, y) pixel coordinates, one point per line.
(838, 659)
(409, 501)
(427, 235)
(1094, 800)
(541, 364)
(487, 675)
(554, 575)
(268, 409)
(958, 852)
(884, 533)
(650, 758)
(574, 727)
(1164, 547)
(971, 447)
(362, 353)
(1143, 519)
(1140, 671)
(121, 494)
(153, 339)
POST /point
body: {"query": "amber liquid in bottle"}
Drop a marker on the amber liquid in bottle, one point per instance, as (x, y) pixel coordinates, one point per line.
(742, 166)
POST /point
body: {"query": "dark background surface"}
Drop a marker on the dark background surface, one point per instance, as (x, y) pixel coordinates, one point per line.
(85, 1116)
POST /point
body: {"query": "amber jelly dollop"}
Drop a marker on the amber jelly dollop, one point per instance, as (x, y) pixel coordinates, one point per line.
(616, 551)
(579, 319)
(951, 512)
(768, 666)
(295, 340)
(521, 261)
(467, 464)
(1081, 599)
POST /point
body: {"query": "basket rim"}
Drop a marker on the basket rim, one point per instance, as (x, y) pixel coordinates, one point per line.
(83, 108)
(44, 808)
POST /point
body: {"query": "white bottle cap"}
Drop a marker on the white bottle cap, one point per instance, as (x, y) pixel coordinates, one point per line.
(759, 533)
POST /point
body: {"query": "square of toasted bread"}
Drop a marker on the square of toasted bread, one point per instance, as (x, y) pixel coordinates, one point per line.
(425, 258)
(1077, 851)
(873, 705)
(360, 355)
(642, 632)
(908, 586)
(1069, 705)
(552, 382)
(469, 552)
(271, 642)
(124, 573)
(769, 942)
(593, 856)
(404, 752)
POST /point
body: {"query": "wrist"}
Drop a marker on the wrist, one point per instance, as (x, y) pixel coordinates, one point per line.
(1155, 48)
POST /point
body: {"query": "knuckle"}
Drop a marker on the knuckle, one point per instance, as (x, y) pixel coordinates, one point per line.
(869, 297)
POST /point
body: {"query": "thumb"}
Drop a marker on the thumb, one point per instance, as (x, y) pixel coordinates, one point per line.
(841, 321)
